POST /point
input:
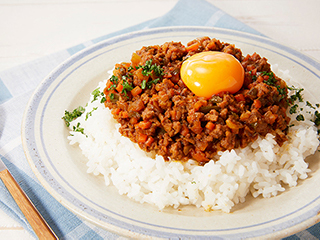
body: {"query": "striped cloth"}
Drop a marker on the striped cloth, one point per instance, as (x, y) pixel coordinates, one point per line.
(16, 87)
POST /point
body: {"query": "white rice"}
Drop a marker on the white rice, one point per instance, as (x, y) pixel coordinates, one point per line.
(263, 168)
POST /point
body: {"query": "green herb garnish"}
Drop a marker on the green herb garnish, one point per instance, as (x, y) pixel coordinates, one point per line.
(90, 113)
(271, 81)
(143, 84)
(155, 81)
(300, 117)
(115, 81)
(293, 109)
(310, 105)
(126, 86)
(282, 91)
(297, 95)
(254, 77)
(317, 119)
(148, 85)
(96, 93)
(103, 99)
(147, 70)
(70, 116)
(78, 128)
(149, 67)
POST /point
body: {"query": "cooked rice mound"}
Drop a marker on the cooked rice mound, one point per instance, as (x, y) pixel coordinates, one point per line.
(262, 168)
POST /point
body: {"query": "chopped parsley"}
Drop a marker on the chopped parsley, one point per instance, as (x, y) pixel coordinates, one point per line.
(70, 116)
(126, 86)
(253, 77)
(96, 93)
(300, 117)
(148, 68)
(114, 81)
(297, 95)
(143, 84)
(271, 81)
(78, 128)
(310, 105)
(111, 96)
(90, 113)
(103, 99)
(317, 119)
(293, 109)
(282, 91)
(148, 84)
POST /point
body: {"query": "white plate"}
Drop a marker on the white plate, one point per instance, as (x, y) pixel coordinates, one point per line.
(61, 168)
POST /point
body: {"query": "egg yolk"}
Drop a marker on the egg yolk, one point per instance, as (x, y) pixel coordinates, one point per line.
(209, 73)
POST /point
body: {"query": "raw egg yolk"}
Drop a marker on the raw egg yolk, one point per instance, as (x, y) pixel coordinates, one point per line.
(209, 73)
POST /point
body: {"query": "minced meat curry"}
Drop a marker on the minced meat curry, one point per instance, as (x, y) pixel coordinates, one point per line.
(157, 111)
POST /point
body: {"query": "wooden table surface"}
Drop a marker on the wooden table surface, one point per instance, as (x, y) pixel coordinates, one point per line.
(34, 28)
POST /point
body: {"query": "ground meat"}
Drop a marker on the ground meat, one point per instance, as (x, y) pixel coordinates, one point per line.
(157, 111)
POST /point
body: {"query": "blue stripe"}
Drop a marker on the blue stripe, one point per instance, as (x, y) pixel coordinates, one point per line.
(184, 14)
(314, 230)
(293, 237)
(76, 49)
(226, 21)
(5, 94)
(91, 235)
(9, 205)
